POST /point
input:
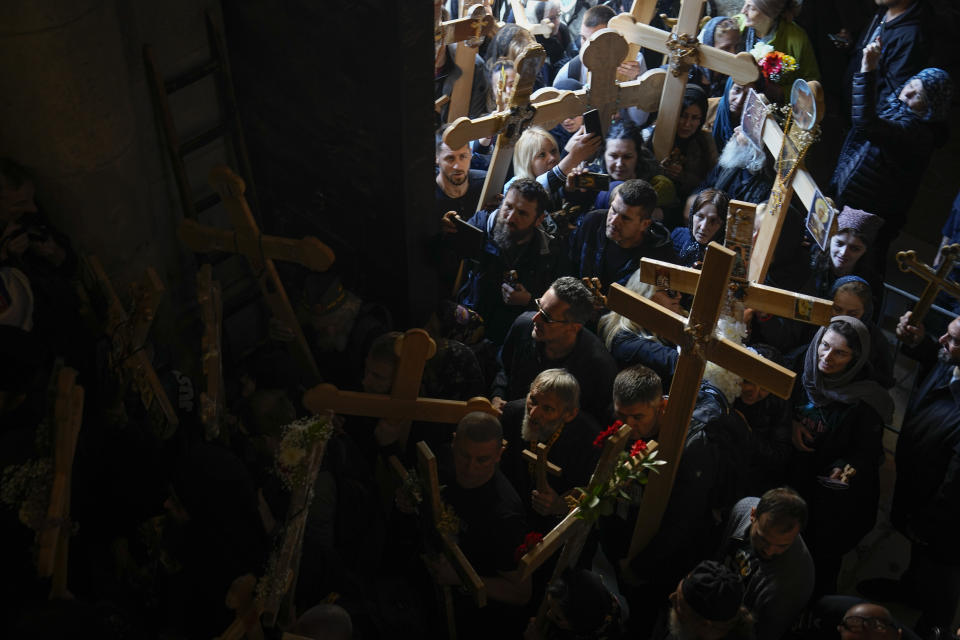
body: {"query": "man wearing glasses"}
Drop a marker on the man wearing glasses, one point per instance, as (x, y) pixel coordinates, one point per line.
(554, 337)
(868, 621)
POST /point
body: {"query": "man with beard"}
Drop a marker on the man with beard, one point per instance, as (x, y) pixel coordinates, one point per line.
(742, 170)
(518, 260)
(550, 414)
(610, 244)
(458, 186)
(926, 499)
(707, 605)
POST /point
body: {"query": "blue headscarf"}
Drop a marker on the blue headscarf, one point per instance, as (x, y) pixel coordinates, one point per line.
(722, 124)
(939, 89)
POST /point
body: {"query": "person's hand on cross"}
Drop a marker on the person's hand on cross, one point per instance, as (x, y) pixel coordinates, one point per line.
(907, 333)
(801, 436)
(441, 570)
(871, 56)
(497, 403)
(629, 69)
(548, 502)
(447, 225)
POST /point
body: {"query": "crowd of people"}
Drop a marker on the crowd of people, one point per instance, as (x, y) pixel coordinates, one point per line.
(769, 495)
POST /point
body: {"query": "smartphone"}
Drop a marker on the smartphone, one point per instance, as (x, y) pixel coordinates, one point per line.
(592, 181)
(591, 122)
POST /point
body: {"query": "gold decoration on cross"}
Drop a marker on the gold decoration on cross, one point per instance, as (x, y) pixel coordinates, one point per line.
(684, 53)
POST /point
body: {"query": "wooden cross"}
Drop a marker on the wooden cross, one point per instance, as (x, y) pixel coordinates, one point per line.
(698, 344)
(468, 33)
(520, 17)
(681, 44)
(541, 466)
(936, 279)
(211, 312)
(798, 180)
(572, 527)
(513, 121)
(128, 334)
(414, 348)
(427, 463)
(53, 541)
(763, 298)
(260, 250)
(642, 12)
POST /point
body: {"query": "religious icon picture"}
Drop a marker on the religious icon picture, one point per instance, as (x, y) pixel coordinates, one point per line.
(787, 159)
(820, 219)
(753, 117)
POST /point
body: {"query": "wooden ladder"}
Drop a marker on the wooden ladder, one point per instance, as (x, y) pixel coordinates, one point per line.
(228, 127)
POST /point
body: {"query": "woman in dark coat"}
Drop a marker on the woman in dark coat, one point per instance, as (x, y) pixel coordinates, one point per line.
(708, 217)
(887, 151)
(838, 417)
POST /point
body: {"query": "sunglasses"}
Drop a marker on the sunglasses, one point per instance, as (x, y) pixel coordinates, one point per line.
(860, 623)
(546, 318)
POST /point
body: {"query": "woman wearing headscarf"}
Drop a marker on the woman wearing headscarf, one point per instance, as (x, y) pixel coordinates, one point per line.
(708, 217)
(726, 116)
(723, 33)
(838, 416)
(887, 151)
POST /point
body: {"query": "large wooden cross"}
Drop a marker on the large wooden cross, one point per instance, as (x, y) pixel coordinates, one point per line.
(414, 348)
(513, 121)
(753, 295)
(698, 343)
(53, 540)
(520, 17)
(128, 335)
(468, 33)
(211, 313)
(681, 44)
(936, 280)
(797, 180)
(259, 250)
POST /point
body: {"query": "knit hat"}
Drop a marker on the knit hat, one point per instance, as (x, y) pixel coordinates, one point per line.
(713, 591)
(939, 89)
(865, 224)
(771, 8)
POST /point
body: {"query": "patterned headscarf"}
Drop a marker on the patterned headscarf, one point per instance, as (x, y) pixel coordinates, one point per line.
(939, 89)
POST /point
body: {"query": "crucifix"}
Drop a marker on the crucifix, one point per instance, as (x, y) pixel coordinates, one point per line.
(513, 121)
(684, 50)
(936, 279)
(260, 250)
(805, 112)
(211, 313)
(128, 335)
(53, 540)
(744, 292)
(698, 343)
(541, 466)
(468, 32)
(414, 348)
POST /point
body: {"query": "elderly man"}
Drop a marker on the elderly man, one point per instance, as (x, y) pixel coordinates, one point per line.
(550, 414)
(762, 544)
(926, 499)
(555, 337)
(518, 260)
(610, 244)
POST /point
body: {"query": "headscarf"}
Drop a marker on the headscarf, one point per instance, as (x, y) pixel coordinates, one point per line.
(722, 124)
(939, 89)
(842, 280)
(845, 388)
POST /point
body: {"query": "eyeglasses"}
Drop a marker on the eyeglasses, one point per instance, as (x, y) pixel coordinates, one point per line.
(546, 318)
(859, 623)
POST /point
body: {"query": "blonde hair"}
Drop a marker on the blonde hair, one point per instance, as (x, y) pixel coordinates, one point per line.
(612, 323)
(526, 150)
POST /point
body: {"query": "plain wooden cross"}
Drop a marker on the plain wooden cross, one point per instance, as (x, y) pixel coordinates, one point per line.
(53, 541)
(937, 280)
(128, 334)
(541, 466)
(467, 32)
(760, 297)
(698, 343)
(513, 121)
(211, 313)
(520, 17)
(798, 180)
(684, 49)
(414, 348)
(433, 504)
(259, 250)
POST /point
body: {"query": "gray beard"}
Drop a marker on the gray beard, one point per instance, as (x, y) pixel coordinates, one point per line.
(528, 435)
(746, 156)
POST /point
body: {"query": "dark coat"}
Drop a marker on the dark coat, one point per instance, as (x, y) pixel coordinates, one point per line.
(629, 349)
(884, 156)
(590, 243)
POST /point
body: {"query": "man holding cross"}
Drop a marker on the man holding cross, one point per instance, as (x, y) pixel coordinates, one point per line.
(551, 415)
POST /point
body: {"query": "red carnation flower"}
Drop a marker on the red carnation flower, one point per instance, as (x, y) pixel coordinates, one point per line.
(638, 448)
(609, 431)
